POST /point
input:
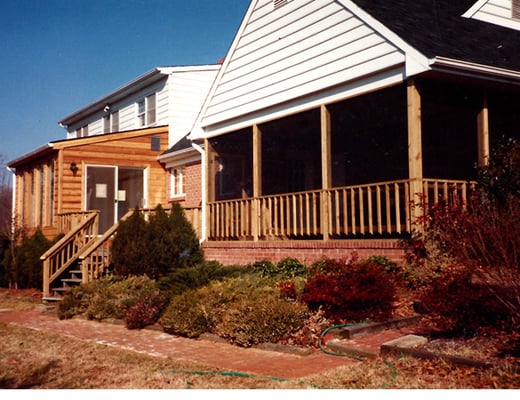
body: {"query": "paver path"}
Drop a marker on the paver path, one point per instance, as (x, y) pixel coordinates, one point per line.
(220, 355)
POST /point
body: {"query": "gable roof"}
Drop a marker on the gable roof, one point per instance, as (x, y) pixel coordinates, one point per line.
(419, 35)
(437, 28)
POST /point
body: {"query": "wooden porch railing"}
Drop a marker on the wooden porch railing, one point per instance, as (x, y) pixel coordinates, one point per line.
(59, 257)
(69, 220)
(383, 209)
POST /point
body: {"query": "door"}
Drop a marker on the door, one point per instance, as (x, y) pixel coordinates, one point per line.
(113, 191)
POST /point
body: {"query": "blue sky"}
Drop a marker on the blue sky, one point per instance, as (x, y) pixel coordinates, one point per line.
(57, 56)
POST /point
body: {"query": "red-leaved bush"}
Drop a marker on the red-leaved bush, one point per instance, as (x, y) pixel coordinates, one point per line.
(146, 311)
(350, 290)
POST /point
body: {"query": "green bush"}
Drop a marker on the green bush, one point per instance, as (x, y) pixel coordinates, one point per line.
(261, 318)
(27, 264)
(156, 247)
(76, 301)
(199, 275)
(219, 306)
(129, 246)
(284, 269)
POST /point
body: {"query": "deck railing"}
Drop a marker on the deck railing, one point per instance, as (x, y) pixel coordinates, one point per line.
(378, 209)
(59, 257)
(69, 220)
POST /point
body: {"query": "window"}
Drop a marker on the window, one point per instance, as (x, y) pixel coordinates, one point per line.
(141, 121)
(115, 121)
(177, 182)
(106, 123)
(146, 111)
(82, 132)
(516, 9)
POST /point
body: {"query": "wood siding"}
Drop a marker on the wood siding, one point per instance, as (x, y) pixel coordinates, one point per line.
(47, 186)
(499, 12)
(294, 51)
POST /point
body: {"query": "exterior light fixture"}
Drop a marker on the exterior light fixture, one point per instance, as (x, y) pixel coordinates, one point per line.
(73, 167)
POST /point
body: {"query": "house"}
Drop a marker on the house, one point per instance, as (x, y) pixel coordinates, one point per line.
(330, 119)
(326, 123)
(108, 162)
(107, 165)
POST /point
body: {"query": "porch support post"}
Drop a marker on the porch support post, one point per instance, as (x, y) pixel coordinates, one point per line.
(210, 184)
(483, 133)
(257, 181)
(415, 160)
(326, 175)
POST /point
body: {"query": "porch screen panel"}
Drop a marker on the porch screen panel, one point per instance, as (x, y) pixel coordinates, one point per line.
(130, 193)
(369, 141)
(504, 116)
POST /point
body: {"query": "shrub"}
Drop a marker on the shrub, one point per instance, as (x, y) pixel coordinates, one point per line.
(157, 247)
(290, 268)
(199, 275)
(285, 269)
(113, 296)
(192, 313)
(129, 247)
(260, 319)
(27, 266)
(146, 310)
(75, 301)
(463, 303)
(350, 290)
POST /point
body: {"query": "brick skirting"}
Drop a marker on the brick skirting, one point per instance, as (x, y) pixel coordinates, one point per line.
(241, 253)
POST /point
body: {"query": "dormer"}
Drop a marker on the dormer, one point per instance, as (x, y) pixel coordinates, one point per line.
(505, 13)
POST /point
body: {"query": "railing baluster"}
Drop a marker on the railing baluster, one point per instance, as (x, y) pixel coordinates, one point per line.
(379, 211)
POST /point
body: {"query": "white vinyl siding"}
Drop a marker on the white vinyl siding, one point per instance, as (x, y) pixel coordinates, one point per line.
(293, 51)
(499, 12)
(188, 92)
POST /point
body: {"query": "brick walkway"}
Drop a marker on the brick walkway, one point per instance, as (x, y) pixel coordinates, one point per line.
(152, 342)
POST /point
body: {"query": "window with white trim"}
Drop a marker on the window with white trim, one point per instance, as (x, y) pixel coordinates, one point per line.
(146, 112)
(106, 123)
(177, 182)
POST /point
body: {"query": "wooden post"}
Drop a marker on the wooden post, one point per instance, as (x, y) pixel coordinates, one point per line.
(415, 162)
(210, 183)
(257, 181)
(483, 133)
(326, 175)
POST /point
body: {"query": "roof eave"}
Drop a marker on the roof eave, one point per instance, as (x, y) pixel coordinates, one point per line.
(467, 68)
(37, 153)
(137, 84)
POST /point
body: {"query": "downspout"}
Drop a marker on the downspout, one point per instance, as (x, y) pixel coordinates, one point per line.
(203, 190)
(13, 205)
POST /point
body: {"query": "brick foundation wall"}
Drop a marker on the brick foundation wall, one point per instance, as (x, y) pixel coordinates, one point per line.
(241, 253)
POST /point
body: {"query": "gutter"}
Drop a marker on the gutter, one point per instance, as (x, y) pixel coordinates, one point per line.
(473, 69)
(203, 190)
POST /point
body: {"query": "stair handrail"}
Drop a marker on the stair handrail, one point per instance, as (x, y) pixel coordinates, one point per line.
(62, 254)
(92, 270)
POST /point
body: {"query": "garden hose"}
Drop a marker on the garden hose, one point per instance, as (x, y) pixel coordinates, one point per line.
(241, 375)
(325, 331)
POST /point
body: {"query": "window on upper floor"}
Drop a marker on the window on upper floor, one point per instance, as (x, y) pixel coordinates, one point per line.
(516, 9)
(115, 121)
(106, 123)
(177, 182)
(82, 132)
(111, 122)
(146, 111)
